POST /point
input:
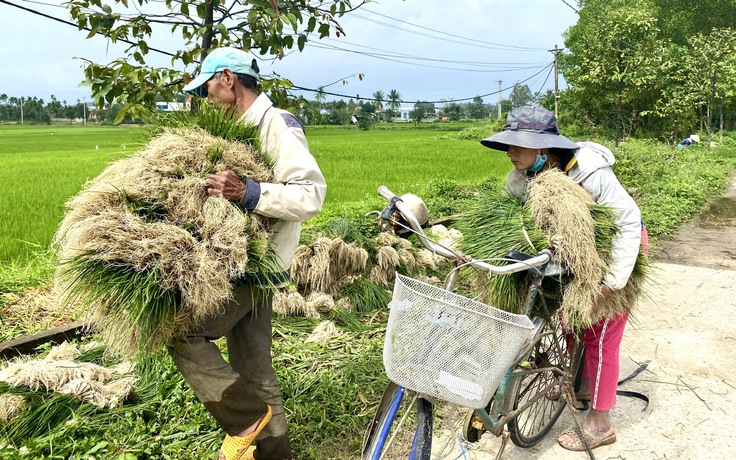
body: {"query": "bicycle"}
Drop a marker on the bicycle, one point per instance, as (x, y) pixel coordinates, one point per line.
(432, 354)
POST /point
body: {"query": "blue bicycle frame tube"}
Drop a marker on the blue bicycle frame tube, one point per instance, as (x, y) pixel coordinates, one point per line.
(413, 453)
(387, 425)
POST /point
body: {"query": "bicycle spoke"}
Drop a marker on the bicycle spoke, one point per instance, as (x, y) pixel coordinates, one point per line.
(552, 357)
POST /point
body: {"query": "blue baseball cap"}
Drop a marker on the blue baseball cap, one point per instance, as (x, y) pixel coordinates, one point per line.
(219, 59)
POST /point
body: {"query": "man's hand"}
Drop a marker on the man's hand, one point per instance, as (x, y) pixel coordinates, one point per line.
(227, 184)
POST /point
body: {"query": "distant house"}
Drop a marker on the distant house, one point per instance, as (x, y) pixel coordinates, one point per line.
(175, 106)
(404, 111)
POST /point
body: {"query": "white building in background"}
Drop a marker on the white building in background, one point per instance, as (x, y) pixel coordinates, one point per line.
(174, 106)
(404, 111)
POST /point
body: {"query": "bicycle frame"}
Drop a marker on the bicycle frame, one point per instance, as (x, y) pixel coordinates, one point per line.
(494, 420)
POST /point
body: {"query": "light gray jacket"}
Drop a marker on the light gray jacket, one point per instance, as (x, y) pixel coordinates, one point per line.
(299, 187)
(592, 170)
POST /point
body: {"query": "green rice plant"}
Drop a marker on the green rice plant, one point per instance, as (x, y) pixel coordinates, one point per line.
(345, 319)
(149, 210)
(134, 304)
(356, 162)
(329, 390)
(342, 228)
(155, 261)
(493, 225)
(365, 296)
(219, 121)
(43, 412)
(40, 168)
(46, 415)
(605, 229)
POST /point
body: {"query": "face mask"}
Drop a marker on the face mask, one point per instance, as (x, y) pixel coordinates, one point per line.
(539, 163)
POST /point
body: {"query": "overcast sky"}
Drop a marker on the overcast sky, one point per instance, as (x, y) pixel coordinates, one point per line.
(429, 50)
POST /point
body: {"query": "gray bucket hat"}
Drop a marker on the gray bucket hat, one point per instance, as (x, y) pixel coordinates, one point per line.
(531, 127)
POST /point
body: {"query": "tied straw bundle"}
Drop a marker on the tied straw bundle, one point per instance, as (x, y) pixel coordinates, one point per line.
(560, 215)
(146, 251)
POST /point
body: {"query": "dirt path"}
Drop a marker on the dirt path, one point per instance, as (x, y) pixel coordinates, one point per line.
(685, 329)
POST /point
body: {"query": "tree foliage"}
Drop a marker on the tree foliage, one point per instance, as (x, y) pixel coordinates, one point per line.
(655, 66)
(477, 108)
(267, 28)
(612, 51)
(521, 95)
(421, 110)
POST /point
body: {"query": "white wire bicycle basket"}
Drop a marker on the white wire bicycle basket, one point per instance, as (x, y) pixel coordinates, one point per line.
(449, 346)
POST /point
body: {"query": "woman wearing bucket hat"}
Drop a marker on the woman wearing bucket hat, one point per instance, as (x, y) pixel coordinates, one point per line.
(532, 141)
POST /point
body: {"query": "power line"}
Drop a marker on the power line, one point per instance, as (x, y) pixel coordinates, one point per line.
(551, 69)
(474, 41)
(38, 13)
(409, 56)
(44, 4)
(301, 88)
(377, 56)
(166, 53)
(571, 7)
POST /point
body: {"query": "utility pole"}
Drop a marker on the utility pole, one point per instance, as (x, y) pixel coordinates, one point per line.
(84, 110)
(21, 110)
(557, 90)
(500, 99)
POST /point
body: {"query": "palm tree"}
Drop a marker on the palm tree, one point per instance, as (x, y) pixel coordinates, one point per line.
(394, 100)
(320, 96)
(378, 101)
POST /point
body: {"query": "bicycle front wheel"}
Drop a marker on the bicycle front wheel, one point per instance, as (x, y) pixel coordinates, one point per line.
(554, 350)
(401, 428)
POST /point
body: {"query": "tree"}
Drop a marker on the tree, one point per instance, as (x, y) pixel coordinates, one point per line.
(394, 102)
(320, 95)
(613, 50)
(378, 99)
(421, 110)
(477, 108)
(714, 57)
(54, 108)
(521, 95)
(266, 28)
(453, 111)
(679, 21)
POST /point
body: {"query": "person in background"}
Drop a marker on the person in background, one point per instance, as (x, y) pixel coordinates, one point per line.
(532, 141)
(243, 394)
(693, 139)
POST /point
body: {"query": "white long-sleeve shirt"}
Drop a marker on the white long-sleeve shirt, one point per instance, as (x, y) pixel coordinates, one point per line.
(299, 188)
(592, 170)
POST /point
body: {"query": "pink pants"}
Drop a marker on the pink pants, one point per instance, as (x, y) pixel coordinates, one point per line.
(602, 343)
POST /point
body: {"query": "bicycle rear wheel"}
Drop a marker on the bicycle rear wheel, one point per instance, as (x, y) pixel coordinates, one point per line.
(401, 428)
(553, 350)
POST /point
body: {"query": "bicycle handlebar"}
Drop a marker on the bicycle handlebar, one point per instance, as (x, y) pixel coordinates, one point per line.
(387, 194)
(540, 259)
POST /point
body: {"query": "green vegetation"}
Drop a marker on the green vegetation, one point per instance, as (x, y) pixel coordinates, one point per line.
(330, 391)
(40, 168)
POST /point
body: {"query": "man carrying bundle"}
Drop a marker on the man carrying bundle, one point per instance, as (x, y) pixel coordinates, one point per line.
(243, 394)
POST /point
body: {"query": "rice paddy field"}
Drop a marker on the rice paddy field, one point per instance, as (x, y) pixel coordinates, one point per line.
(42, 166)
